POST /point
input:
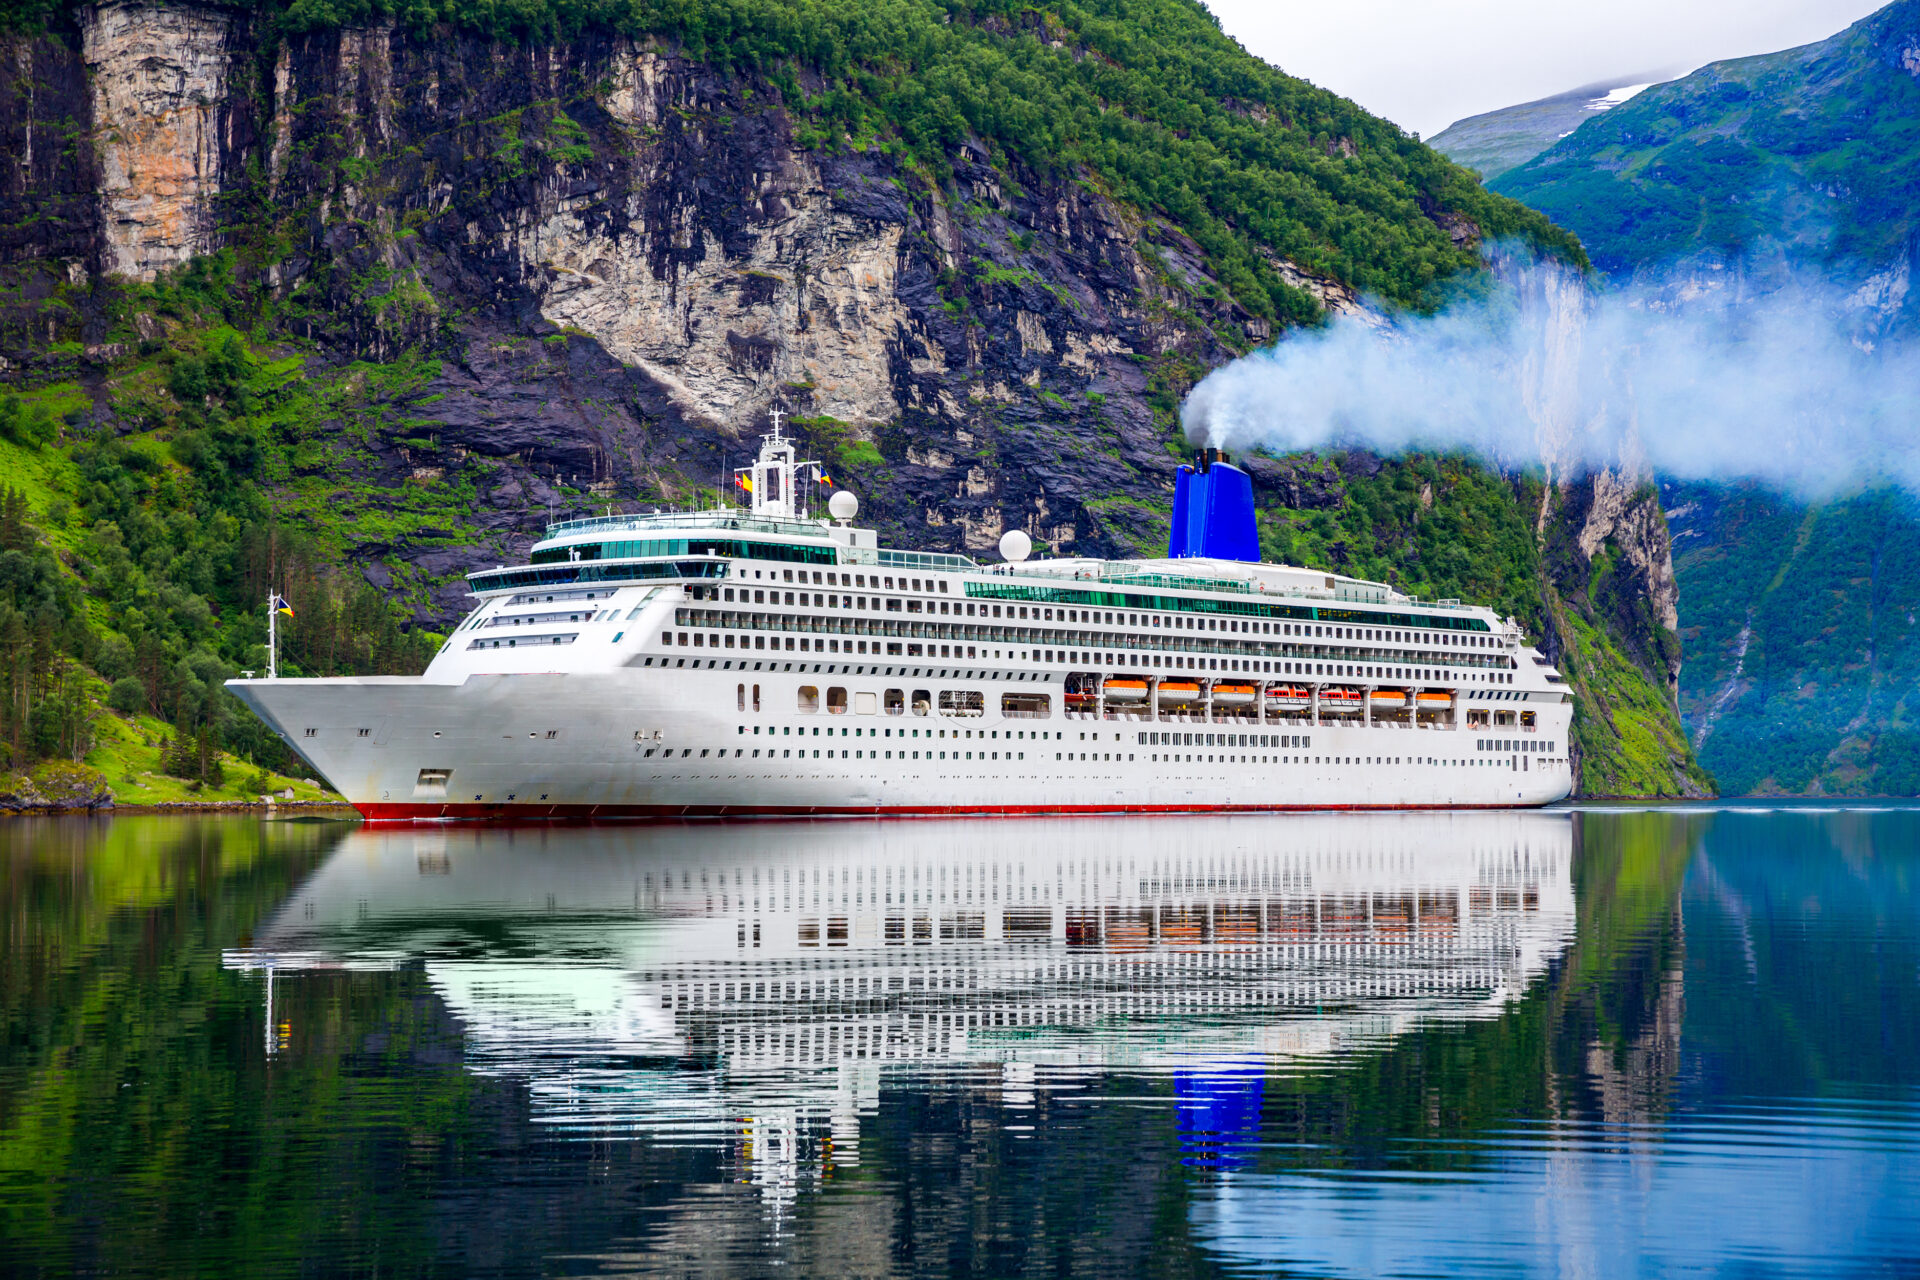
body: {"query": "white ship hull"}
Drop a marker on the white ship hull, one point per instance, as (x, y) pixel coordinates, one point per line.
(541, 746)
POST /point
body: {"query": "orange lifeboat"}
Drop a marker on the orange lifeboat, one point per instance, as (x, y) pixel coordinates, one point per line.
(1429, 698)
(1388, 698)
(1233, 695)
(1179, 691)
(1126, 690)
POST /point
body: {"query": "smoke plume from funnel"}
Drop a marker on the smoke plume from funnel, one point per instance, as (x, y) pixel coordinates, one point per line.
(1543, 372)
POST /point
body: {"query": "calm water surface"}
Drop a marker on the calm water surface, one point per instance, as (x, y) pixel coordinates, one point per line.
(1600, 1043)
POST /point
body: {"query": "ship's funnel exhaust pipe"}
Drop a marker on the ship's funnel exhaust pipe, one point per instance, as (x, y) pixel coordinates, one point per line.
(1213, 511)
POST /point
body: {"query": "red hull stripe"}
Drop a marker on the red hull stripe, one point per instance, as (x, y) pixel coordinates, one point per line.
(509, 813)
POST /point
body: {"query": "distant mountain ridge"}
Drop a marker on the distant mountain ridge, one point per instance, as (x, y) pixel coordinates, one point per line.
(1495, 141)
(1809, 156)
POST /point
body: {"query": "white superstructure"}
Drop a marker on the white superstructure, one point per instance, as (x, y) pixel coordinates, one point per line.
(759, 661)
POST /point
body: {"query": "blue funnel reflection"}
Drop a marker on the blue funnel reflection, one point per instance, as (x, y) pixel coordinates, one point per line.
(1219, 1116)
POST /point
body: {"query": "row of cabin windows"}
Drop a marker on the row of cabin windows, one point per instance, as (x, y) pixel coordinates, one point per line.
(1447, 627)
(864, 581)
(1097, 757)
(832, 753)
(832, 731)
(1204, 758)
(728, 621)
(1086, 617)
(1187, 666)
(1272, 741)
(894, 702)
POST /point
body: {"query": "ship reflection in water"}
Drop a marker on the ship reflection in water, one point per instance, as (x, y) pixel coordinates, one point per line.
(696, 984)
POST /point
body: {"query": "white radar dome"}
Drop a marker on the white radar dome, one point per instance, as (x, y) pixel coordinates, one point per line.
(843, 506)
(1015, 545)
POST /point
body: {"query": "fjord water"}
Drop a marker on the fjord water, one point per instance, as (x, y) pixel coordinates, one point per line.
(1621, 1042)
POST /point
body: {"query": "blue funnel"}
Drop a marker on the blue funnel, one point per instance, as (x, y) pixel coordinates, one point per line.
(1213, 512)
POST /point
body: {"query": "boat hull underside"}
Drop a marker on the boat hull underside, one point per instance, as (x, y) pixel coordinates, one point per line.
(559, 746)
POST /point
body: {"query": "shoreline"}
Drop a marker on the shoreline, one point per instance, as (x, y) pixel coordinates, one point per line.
(176, 806)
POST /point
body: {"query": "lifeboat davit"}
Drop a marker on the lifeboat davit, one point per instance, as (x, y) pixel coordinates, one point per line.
(1126, 690)
(1179, 691)
(1232, 695)
(1287, 695)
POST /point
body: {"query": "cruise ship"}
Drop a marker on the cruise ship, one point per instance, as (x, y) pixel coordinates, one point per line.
(759, 660)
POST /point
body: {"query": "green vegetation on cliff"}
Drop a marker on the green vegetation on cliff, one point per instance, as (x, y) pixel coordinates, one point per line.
(135, 561)
(1148, 99)
(1803, 664)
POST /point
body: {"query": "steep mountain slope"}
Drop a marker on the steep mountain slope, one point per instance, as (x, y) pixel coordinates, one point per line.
(1797, 170)
(1818, 691)
(286, 294)
(1495, 141)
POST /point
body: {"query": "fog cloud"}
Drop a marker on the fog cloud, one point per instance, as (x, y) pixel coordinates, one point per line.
(1694, 384)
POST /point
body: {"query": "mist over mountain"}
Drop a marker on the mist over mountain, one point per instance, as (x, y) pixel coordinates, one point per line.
(1727, 192)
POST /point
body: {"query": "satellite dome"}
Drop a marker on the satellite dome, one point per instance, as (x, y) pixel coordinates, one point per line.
(1015, 545)
(843, 505)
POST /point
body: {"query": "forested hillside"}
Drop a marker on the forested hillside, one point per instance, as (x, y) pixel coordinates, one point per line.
(347, 299)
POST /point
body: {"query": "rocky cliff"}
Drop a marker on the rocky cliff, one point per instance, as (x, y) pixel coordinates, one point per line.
(501, 279)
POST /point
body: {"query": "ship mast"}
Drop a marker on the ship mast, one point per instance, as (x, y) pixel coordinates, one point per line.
(773, 481)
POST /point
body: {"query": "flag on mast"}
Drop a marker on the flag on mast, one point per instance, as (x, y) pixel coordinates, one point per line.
(280, 605)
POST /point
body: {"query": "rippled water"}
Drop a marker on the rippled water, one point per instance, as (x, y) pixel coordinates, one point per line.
(1613, 1042)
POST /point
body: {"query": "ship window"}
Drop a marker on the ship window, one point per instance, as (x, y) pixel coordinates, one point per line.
(756, 697)
(895, 702)
(836, 701)
(311, 733)
(809, 698)
(865, 704)
(922, 702)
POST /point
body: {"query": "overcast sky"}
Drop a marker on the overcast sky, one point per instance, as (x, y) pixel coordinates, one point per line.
(1425, 63)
